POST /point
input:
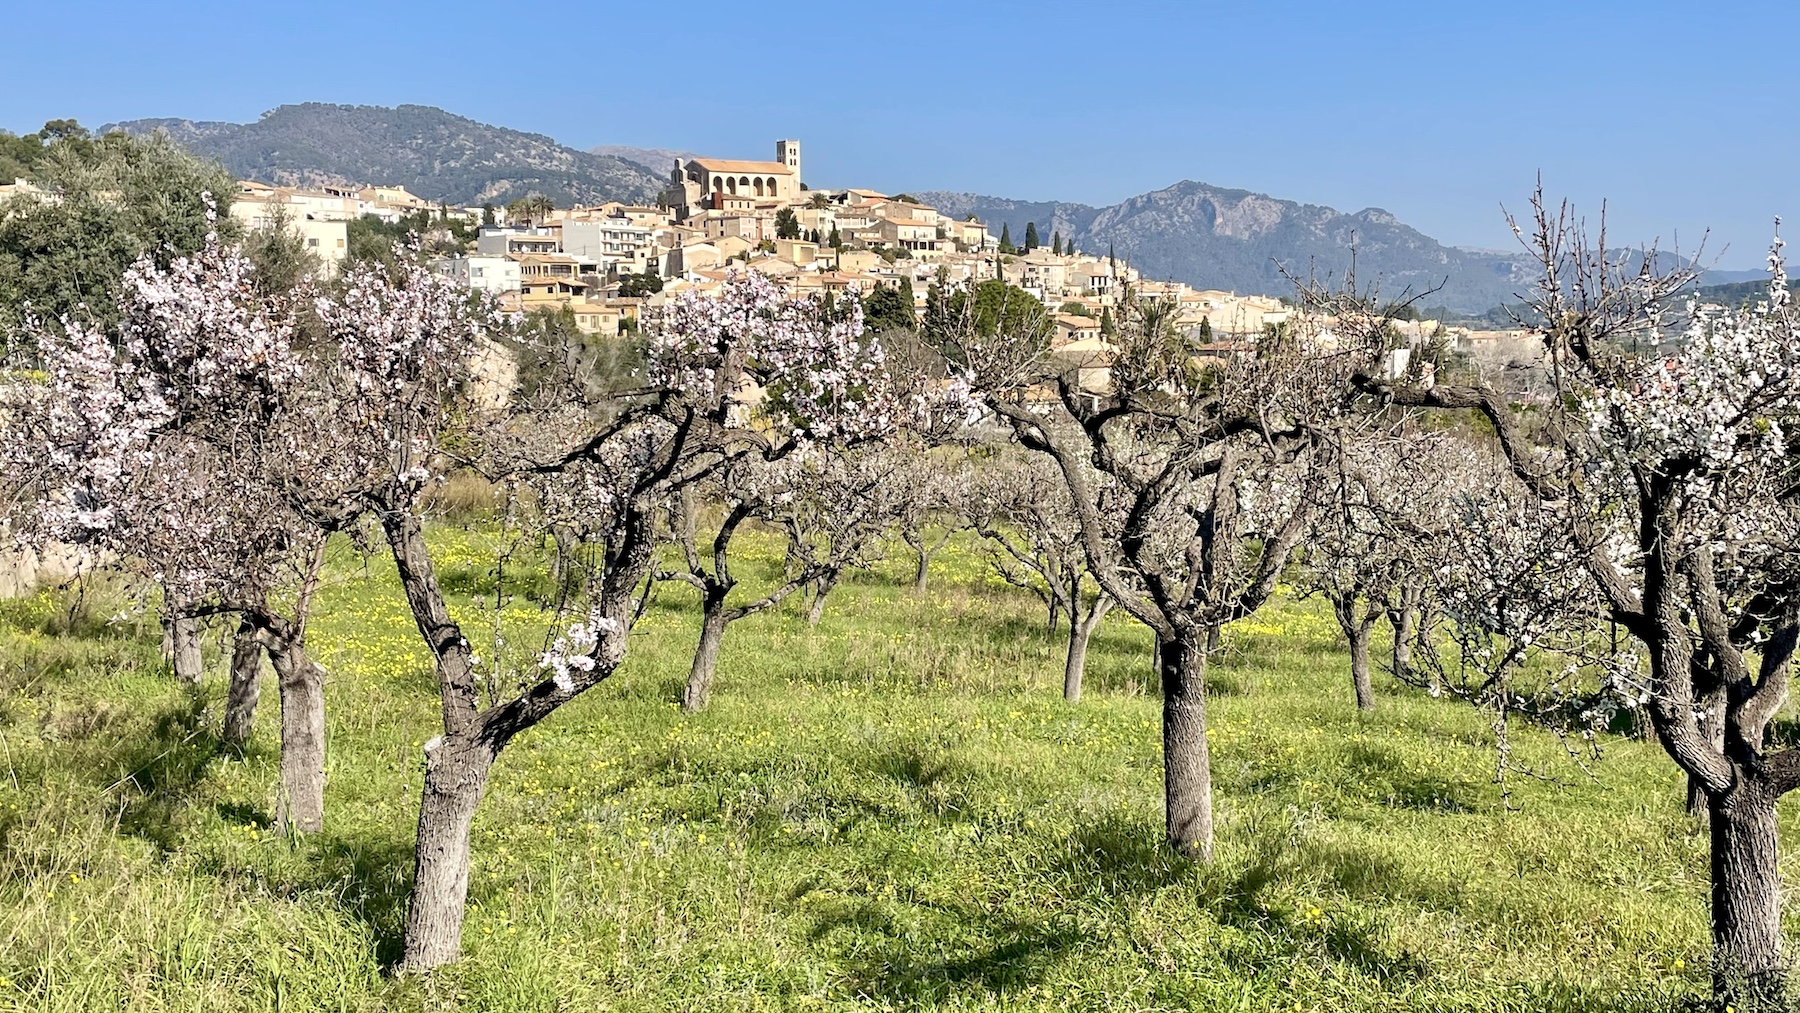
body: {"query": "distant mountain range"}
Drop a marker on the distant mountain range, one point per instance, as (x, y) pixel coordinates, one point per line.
(660, 160)
(435, 154)
(1212, 237)
(1207, 236)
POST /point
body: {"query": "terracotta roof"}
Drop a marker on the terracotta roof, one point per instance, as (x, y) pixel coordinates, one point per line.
(735, 165)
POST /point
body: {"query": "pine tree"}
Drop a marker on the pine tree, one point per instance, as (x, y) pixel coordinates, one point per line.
(1031, 236)
(1006, 243)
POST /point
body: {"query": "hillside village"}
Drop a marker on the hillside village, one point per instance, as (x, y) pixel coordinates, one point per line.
(609, 264)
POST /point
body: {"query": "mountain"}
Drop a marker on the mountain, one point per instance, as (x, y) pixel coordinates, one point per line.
(657, 160)
(1212, 237)
(435, 154)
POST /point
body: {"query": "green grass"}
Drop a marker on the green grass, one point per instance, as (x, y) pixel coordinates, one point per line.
(895, 811)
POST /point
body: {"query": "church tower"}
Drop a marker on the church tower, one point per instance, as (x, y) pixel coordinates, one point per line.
(788, 154)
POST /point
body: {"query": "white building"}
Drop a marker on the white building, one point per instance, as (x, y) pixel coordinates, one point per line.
(608, 242)
(496, 274)
(325, 234)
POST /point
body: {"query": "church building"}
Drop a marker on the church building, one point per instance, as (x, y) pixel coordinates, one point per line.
(700, 184)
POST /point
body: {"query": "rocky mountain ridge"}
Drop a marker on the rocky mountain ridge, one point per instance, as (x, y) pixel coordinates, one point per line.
(435, 154)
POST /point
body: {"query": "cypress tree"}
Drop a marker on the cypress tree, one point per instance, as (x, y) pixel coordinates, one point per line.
(1006, 245)
(1031, 236)
(1056, 243)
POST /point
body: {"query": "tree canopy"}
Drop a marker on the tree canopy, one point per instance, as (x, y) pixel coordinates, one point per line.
(113, 198)
(787, 224)
(888, 308)
(996, 309)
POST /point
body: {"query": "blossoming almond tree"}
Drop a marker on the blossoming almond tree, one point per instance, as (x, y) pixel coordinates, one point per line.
(1671, 478)
(1378, 534)
(749, 488)
(842, 507)
(1212, 464)
(160, 448)
(934, 492)
(1022, 510)
(745, 373)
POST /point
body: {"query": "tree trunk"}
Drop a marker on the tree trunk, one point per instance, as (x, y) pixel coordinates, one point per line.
(1079, 635)
(1187, 764)
(1746, 895)
(241, 698)
(456, 773)
(706, 655)
(565, 566)
(301, 807)
(817, 611)
(181, 639)
(1405, 622)
(1360, 635)
(1713, 724)
(1076, 663)
(924, 570)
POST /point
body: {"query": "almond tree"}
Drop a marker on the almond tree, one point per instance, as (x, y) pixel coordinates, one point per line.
(745, 373)
(749, 488)
(933, 492)
(1671, 481)
(162, 450)
(1212, 465)
(1022, 509)
(841, 508)
(1374, 539)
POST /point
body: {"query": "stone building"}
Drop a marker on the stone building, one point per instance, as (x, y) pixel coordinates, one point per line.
(703, 182)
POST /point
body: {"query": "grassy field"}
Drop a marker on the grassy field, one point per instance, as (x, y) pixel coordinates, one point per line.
(893, 811)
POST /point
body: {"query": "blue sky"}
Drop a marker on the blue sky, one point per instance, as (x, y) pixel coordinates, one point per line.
(1682, 116)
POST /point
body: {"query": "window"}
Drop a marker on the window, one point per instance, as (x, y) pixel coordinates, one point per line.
(312, 243)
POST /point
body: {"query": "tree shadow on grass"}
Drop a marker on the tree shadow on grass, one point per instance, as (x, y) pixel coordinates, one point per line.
(921, 953)
(366, 876)
(993, 954)
(1239, 899)
(1115, 858)
(1384, 777)
(162, 773)
(371, 879)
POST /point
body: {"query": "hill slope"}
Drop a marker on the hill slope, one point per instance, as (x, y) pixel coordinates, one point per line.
(659, 160)
(435, 154)
(1213, 237)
